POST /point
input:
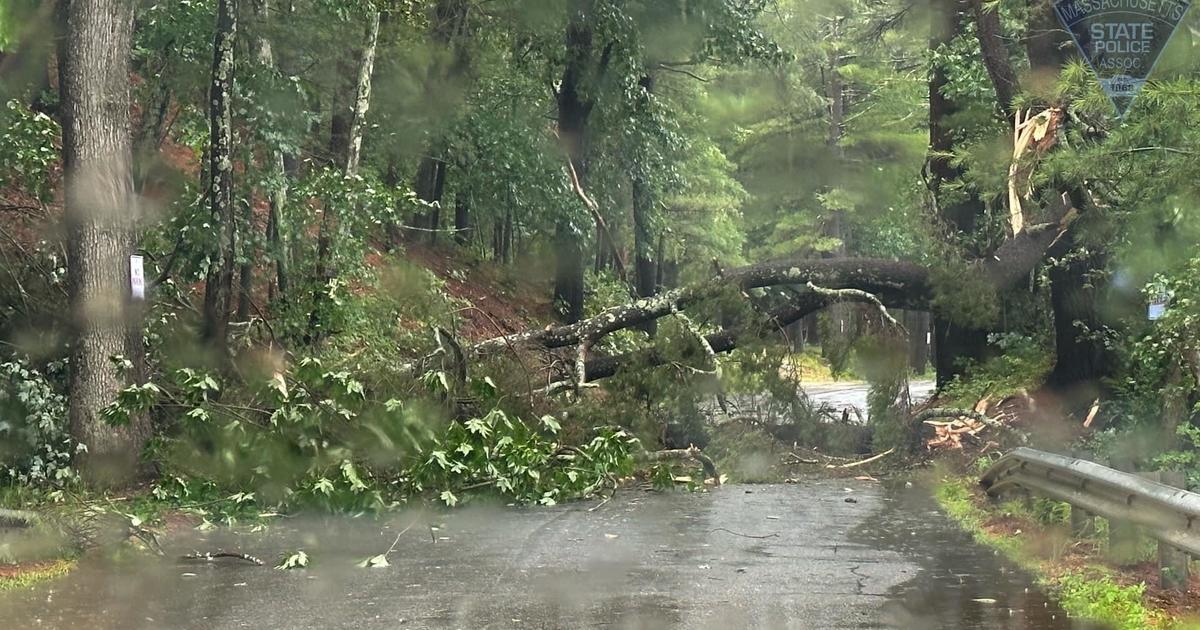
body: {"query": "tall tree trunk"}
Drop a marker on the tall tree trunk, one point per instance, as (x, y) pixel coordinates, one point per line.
(645, 270)
(659, 253)
(1082, 360)
(349, 161)
(218, 285)
(462, 218)
(277, 224)
(574, 108)
(448, 29)
(497, 232)
(429, 187)
(507, 237)
(439, 192)
(362, 95)
(995, 54)
(101, 223)
(917, 323)
(246, 270)
(1077, 285)
(957, 343)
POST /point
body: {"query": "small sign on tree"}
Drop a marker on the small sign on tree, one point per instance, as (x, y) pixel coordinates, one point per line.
(137, 277)
(1158, 305)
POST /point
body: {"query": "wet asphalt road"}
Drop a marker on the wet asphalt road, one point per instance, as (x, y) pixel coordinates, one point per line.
(843, 394)
(782, 556)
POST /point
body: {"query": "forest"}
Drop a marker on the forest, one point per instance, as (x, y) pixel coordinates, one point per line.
(353, 255)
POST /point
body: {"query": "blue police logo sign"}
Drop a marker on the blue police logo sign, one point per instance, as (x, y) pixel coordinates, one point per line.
(1121, 40)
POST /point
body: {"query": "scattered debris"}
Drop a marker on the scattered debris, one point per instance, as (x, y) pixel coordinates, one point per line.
(963, 423)
(213, 556)
(730, 531)
(864, 461)
(1092, 414)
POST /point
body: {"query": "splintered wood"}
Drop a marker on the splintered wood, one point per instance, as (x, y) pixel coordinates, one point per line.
(1029, 132)
(949, 433)
(961, 424)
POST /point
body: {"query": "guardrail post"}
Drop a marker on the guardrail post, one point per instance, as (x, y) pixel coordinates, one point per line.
(1122, 535)
(1082, 523)
(1172, 562)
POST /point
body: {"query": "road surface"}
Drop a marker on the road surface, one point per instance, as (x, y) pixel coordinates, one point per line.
(853, 394)
(778, 556)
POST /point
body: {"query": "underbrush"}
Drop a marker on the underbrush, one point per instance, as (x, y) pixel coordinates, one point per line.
(1022, 365)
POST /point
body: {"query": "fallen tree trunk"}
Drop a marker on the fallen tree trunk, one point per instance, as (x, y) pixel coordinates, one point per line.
(721, 341)
(895, 283)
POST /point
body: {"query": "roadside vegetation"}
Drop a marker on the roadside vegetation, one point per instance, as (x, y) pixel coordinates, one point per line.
(1036, 536)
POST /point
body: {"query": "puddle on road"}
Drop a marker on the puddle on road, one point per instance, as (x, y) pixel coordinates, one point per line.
(960, 584)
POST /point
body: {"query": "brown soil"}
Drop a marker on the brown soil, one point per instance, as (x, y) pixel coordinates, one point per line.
(1177, 604)
(500, 304)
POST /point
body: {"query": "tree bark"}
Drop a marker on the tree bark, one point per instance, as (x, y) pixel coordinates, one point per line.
(429, 187)
(101, 223)
(645, 269)
(918, 340)
(956, 343)
(362, 95)
(218, 284)
(462, 219)
(995, 55)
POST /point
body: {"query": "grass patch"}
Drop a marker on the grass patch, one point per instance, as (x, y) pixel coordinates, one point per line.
(1089, 592)
(809, 367)
(24, 576)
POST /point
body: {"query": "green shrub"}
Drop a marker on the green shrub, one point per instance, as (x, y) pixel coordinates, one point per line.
(35, 443)
(508, 458)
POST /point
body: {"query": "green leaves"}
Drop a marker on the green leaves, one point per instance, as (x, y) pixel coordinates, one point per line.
(35, 447)
(295, 560)
(28, 149)
(501, 455)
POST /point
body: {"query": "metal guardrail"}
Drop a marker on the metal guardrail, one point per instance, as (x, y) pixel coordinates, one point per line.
(1169, 514)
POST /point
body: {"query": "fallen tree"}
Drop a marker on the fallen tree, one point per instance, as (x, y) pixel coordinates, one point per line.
(815, 284)
(897, 284)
